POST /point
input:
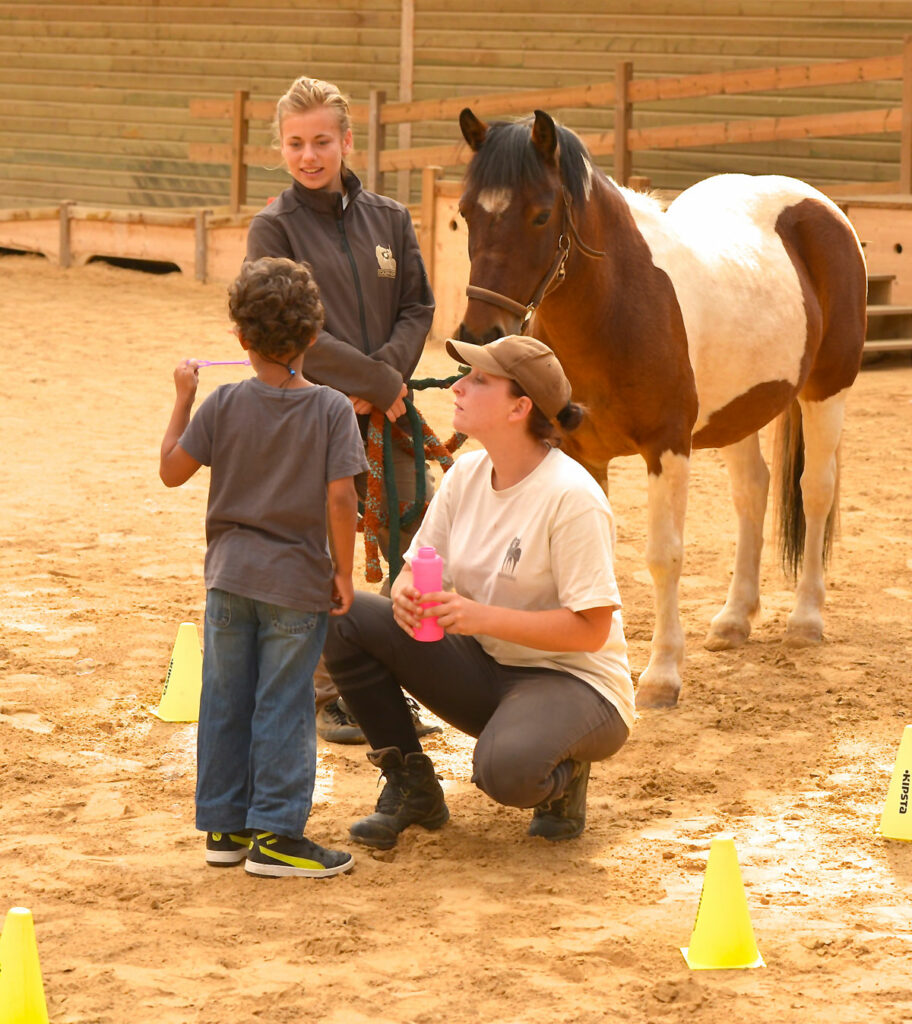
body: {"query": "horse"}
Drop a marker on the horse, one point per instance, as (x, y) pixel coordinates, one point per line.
(742, 303)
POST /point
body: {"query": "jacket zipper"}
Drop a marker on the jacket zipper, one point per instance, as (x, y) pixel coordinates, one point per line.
(365, 344)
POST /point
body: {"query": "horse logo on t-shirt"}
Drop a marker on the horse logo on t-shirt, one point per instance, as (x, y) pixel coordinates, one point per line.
(511, 558)
(386, 261)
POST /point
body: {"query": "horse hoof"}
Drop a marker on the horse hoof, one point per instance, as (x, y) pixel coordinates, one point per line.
(657, 695)
(803, 636)
(725, 638)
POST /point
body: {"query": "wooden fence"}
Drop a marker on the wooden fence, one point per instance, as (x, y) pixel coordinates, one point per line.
(622, 93)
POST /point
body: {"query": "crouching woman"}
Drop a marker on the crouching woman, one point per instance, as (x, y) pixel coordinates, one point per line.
(534, 662)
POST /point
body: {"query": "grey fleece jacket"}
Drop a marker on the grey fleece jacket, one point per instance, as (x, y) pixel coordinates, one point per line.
(372, 281)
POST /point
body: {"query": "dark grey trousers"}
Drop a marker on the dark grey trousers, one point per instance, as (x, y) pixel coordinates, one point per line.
(528, 721)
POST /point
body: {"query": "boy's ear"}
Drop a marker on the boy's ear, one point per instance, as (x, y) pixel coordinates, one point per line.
(312, 341)
(245, 345)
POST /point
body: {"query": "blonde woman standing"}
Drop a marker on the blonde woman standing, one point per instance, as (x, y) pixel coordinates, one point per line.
(364, 256)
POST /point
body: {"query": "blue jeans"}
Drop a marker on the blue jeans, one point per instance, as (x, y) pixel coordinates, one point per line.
(256, 748)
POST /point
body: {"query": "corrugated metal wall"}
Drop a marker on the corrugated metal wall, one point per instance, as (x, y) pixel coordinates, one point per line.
(95, 93)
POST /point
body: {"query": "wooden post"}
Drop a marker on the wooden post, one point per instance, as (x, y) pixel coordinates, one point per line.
(238, 144)
(201, 249)
(427, 230)
(905, 153)
(375, 139)
(65, 257)
(623, 72)
(406, 91)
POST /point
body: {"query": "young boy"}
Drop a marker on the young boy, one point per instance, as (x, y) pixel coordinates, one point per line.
(282, 453)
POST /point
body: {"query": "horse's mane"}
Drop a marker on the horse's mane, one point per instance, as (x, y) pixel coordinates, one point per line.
(508, 159)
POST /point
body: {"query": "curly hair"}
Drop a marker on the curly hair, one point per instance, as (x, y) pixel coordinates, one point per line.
(276, 306)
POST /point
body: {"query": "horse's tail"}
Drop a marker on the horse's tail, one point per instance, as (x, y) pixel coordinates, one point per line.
(788, 465)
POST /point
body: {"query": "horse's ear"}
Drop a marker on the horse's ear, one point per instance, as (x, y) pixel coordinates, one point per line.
(473, 130)
(544, 137)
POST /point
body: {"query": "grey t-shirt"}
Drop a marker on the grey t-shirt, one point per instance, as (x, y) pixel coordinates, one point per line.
(272, 452)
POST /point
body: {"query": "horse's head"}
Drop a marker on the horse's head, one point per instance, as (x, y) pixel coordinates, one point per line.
(517, 187)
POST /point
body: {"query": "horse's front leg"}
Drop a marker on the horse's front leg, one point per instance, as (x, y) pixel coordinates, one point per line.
(660, 684)
(749, 478)
(822, 427)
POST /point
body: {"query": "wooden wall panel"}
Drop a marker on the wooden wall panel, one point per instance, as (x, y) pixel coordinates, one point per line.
(95, 93)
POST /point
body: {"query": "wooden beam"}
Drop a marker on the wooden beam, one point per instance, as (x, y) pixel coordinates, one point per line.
(905, 152)
(64, 252)
(765, 129)
(200, 251)
(427, 230)
(255, 110)
(871, 69)
(716, 133)
(238, 195)
(406, 90)
(623, 73)
(732, 83)
(375, 140)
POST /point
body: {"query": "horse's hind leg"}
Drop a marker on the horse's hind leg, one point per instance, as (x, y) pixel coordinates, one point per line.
(660, 684)
(749, 478)
(822, 426)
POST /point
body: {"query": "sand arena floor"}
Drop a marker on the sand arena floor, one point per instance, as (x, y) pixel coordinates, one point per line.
(788, 751)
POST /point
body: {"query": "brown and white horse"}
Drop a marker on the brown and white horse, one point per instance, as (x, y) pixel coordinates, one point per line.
(687, 328)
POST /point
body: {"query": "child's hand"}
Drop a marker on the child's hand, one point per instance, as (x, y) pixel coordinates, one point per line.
(186, 379)
(361, 405)
(343, 593)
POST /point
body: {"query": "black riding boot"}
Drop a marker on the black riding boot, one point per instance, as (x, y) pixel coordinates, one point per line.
(411, 796)
(564, 817)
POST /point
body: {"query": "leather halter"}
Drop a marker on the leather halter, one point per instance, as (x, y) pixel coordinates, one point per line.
(553, 277)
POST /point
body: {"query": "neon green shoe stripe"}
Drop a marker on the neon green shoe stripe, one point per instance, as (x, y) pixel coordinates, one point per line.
(295, 862)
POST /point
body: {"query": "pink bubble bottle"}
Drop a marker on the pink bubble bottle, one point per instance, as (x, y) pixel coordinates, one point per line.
(427, 574)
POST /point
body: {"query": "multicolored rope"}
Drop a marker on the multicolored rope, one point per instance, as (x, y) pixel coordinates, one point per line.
(422, 444)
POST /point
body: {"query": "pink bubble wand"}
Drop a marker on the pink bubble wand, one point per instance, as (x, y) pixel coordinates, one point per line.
(222, 362)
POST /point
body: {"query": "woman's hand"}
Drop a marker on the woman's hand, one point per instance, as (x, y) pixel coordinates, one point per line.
(397, 409)
(361, 406)
(457, 614)
(407, 610)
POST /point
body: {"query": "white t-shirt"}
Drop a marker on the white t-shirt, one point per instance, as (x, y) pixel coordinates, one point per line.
(546, 542)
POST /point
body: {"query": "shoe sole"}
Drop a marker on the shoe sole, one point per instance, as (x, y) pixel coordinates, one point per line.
(388, 844)
(558, 837)
(225, 858)
(276, 870)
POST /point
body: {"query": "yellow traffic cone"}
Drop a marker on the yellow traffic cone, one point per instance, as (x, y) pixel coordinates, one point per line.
(21, 989)
(180, 699)
(896, 820)
(723, 936)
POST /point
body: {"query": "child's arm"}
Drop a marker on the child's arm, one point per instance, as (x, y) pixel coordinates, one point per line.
(177, 466)
(342, 508)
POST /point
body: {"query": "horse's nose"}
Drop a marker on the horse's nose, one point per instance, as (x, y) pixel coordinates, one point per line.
(464, 334)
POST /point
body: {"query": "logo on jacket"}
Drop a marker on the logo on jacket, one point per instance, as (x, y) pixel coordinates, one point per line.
(511, 559)
(386, 261)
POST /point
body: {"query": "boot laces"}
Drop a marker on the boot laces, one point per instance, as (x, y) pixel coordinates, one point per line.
(337, 710)
(394, 792)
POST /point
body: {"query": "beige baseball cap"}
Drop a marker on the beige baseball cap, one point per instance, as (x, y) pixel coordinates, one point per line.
(528, 361)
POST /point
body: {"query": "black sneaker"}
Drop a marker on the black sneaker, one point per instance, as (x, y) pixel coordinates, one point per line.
(275, 856)
(336, 724)
(225, 849)
(421, 728)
